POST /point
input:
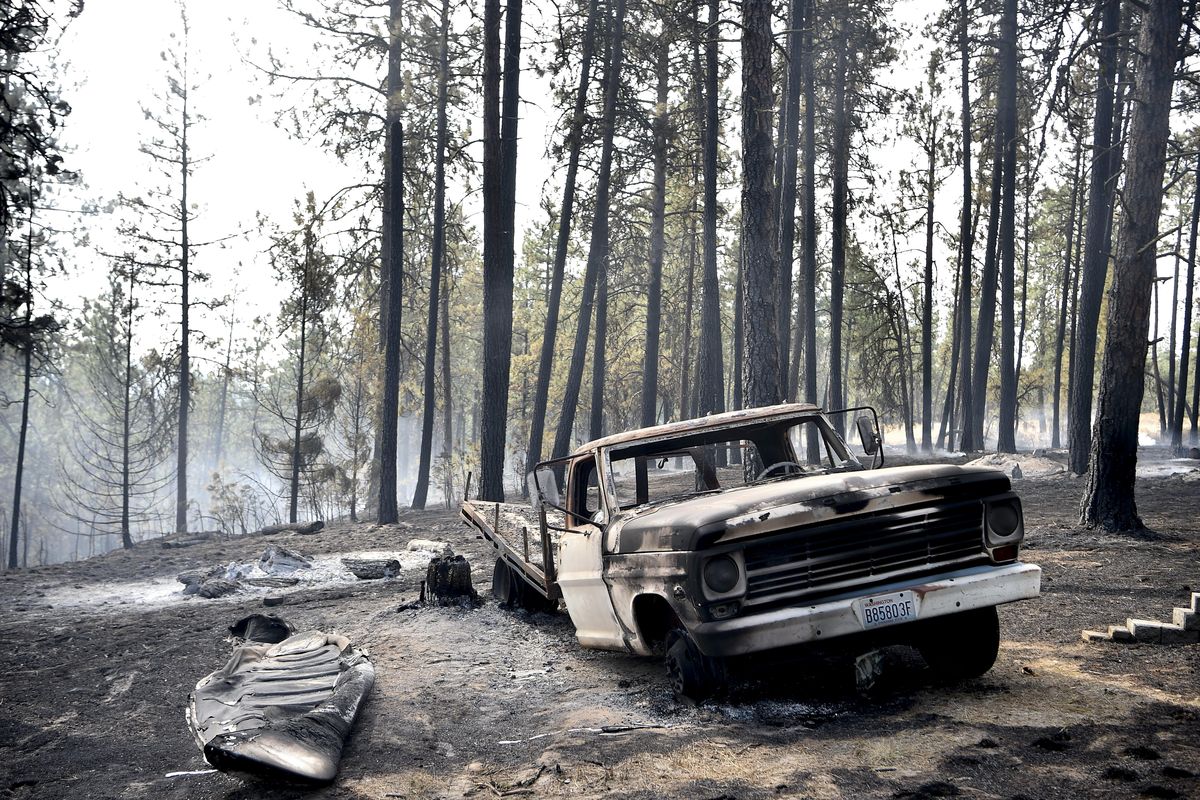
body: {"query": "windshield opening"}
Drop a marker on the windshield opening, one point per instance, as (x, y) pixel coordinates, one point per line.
(709, 461)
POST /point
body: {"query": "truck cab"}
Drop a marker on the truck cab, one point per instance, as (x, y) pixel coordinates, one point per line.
(759, 530)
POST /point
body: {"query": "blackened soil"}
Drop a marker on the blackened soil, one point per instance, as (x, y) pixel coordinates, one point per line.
(489, 703)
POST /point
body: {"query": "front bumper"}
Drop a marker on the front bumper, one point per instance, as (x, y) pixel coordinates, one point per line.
(947, 593)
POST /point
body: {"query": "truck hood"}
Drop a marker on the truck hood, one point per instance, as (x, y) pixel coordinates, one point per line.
(698, 522)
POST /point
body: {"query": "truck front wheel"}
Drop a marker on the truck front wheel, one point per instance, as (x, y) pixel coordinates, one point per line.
(692, 674)
(963, 645)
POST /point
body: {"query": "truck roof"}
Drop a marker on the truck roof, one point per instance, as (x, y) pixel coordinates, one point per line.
(727, 418)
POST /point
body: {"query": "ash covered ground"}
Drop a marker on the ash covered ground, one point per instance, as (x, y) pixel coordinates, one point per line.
(99, 657)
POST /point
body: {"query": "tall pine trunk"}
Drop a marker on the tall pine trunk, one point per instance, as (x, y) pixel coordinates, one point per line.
(1064, 301)
(598, 246)
(658, 205)
(789, 142)
(1108, 500)
(537, 425)
(294, 498)
(437, 264)
(808, 219)
(500, 136)
(840, 178)
(760, 267)
(1185, 341)
(985, 328)
(966, 236)
(26, 394)
(1105, 159)
(185, 375)
(1007, 129)
(710, 363)
(392, 284)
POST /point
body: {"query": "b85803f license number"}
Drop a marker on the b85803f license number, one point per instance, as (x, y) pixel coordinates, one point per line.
(888, 609)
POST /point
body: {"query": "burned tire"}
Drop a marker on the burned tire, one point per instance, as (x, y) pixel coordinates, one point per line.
(511, 590)
(502, 582)
(692, 674)
(963, 645)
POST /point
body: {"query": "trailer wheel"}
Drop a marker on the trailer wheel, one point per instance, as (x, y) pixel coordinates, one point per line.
(692, 674)
(502, 582)
(511, 590)
(963, 645)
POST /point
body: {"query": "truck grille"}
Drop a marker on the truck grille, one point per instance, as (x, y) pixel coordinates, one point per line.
(862, 550)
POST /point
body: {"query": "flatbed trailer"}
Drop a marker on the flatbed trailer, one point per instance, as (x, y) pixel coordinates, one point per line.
(524, 542)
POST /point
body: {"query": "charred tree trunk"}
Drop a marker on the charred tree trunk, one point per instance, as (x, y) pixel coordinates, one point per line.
(985, 330)
(599, 357)
(1060, 334)
(1007, 128)
(840, 178)
(760, 268)
(710, 363)
(598, 246)
(947, 419)
(185, 374)
(392, 284)
(26, 394)
(658, 207)
(294, 497)
(789, 142)
(1105, 159)
(447, 395)
(1108, 500)
(550, 330)
(808, 219)
(437, 264)
(500, 136)
(1185, 342)
(966, 235)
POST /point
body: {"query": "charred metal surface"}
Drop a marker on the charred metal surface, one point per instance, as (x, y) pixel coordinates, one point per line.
(282, 711)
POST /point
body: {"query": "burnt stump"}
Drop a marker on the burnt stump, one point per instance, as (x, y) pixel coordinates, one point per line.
(448, 582)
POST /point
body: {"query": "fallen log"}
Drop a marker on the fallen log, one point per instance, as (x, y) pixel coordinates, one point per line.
(175, 540)
(372, 568)
(302, 528)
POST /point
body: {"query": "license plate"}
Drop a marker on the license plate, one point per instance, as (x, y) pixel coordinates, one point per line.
(887, 609)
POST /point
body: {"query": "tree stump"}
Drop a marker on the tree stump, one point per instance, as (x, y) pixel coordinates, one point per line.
(448, 582)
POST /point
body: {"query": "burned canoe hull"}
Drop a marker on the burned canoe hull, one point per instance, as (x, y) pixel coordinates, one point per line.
(282, 711)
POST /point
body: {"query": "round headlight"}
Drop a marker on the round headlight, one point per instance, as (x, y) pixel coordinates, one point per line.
(1004, 519)
(721, 574)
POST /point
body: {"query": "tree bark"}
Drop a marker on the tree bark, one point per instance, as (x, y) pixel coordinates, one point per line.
(392, 288)
(1007, 124)
(710, 363)
(541, 393)
(789, 141)
(437, 262)
(1185, 341)
(23, 434)
(966, 235)
(598, 246)
(760, 268)
(499, 239)
(294, 499)
(185, 375)
(1108, 500)
(1060, 334)
(985, 329)
(808, 219)
(599, 356)
(1105, 159)
(658, 206)
(840, 179)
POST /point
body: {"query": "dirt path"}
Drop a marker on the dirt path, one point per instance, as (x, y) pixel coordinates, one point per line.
(489, 703)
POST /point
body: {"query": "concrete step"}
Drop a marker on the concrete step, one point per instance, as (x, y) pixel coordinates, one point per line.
(1177, 634)
(1096, 636)
(1196, 602)
(1186, 619)
(1119, 633)
(1145, 630)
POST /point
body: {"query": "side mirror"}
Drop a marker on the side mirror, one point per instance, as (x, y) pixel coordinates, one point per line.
(868, 434)
(543, 487)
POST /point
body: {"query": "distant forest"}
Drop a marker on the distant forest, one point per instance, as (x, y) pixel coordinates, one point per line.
(747, 206)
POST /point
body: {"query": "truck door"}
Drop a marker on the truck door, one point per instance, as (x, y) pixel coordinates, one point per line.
(581, 564)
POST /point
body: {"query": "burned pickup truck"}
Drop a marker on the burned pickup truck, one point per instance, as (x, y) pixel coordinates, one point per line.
(760, 530)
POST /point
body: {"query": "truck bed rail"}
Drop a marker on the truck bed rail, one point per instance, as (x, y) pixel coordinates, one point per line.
(521, 539)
